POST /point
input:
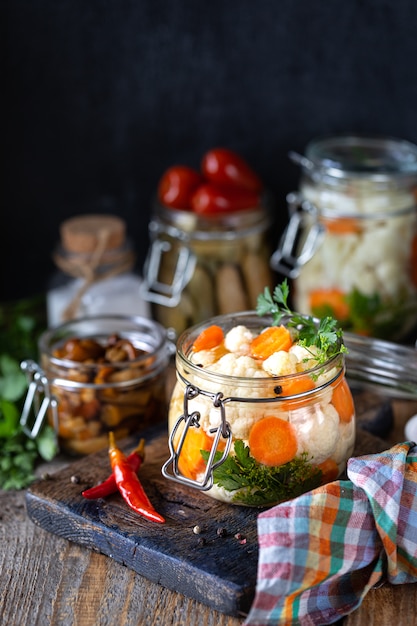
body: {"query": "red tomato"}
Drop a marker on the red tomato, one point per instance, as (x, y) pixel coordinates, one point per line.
(210, 199)
(225, 167)
(177, 185)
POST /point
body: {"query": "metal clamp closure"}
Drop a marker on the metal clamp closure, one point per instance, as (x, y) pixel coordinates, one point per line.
(192, 420)
(38, 399)
(300, 240)
(152, 288)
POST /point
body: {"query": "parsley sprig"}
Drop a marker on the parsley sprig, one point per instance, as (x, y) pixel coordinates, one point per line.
(260, 485)
(324, 334)
(19, 454)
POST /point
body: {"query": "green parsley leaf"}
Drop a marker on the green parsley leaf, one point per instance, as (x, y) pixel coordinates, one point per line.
(325, 334)
(12, 380)
(21, 324)
(259, 485)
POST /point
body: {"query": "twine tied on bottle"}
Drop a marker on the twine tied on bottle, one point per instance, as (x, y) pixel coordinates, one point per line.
(90, 267)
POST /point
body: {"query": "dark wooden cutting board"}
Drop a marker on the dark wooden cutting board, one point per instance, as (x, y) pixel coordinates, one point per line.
(214, 568)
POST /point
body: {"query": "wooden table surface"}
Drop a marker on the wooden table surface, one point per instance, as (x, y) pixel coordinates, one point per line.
(48, 580)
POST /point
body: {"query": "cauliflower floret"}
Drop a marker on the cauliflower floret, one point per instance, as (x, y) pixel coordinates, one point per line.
(240, 423)
(304, 357)
(205, 358)
(238, 340)
(280, 363)
(317, 432)
(345, 442)
(326, 376)
(235, 365)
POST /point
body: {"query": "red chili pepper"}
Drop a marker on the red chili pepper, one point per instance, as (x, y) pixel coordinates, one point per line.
(109, 486)
(129, 484)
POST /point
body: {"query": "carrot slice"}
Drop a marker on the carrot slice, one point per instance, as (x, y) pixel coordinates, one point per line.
(329, 469)
(294, 386)
(272, 441)
(271, 340)
(341, 225)
(209, 338)
(190, 461)
(343, 402)
(333, 299)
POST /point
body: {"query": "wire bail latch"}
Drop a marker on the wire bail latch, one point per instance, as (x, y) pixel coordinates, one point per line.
(38, 399)
(299, 240)
(192, 420)
(153, 288)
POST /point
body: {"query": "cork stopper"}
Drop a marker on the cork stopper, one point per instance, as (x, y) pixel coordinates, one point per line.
(82, 234)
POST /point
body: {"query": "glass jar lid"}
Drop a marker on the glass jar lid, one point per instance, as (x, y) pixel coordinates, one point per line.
(375, 158)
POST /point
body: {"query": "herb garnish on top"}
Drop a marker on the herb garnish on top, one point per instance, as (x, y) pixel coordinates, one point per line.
(324, 334)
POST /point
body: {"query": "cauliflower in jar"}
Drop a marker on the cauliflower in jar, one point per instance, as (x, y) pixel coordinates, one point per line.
(238, 340)
(237, 365)
(280, 390)
(317, 431)
(366, 256)
(280, 363)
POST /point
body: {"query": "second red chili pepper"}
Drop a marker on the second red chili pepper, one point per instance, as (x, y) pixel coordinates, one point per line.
(129, 484)
(109, 486)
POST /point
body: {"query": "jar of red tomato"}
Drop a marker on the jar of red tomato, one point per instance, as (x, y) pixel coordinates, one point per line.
(258, 416)
(209, 251)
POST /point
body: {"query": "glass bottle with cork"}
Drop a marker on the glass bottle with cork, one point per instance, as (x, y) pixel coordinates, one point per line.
(95, 261)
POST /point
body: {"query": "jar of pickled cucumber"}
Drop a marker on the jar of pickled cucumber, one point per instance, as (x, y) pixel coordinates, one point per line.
(98, 374)
(351, 242)
(256, 417)
(199, 266)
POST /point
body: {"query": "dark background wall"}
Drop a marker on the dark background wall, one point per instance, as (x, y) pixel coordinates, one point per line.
(104, 95)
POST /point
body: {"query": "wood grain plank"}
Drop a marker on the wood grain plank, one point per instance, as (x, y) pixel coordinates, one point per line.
(221, 573)
(46, 579)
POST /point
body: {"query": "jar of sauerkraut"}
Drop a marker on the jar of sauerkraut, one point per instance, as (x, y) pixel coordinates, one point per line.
(256, 417)
(199, 266)
(98, 374)
(351, 242)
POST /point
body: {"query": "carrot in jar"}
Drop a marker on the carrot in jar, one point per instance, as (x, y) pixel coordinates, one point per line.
(272, 441)
(341, 225)
(294, 386)
(210, 337)
(333, 299)
(190, 460)
(343, 402)
(329, 471)
(272, 339)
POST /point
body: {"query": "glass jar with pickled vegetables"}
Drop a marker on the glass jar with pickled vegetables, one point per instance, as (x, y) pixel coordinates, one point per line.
(98, 374)
(351, 242)
(258, 415)
(199, 266)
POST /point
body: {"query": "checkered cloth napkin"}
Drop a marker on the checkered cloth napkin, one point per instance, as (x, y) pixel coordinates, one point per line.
(321, 553)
